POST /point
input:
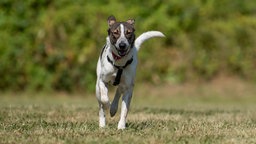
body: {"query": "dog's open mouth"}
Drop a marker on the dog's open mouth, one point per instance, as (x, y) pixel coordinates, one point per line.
(122, 52)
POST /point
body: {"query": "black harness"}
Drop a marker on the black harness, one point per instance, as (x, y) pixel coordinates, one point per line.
(119, 70)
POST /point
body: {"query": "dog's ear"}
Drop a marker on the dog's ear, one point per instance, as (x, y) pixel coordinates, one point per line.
(130, 21)
(111, 20)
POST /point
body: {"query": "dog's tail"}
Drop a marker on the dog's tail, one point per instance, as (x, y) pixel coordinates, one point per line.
(145, 36)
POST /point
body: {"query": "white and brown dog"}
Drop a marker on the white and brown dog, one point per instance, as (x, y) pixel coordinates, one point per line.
(117, 66)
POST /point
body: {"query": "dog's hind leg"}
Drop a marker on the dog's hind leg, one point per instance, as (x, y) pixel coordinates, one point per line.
(125, 108)
(114, 104)
(102, 96)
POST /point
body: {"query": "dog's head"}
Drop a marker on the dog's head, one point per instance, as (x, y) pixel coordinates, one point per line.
(121, 35)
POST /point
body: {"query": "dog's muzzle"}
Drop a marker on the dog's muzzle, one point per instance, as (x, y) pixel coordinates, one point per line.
(122, 49)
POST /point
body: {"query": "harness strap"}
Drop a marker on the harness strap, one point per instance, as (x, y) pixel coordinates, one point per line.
(118, 77)
(119, 70)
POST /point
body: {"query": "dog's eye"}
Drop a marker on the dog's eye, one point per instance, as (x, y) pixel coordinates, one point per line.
(116, 32)
(128, 32)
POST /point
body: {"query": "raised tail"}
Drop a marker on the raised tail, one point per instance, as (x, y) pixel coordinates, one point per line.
(145, 36)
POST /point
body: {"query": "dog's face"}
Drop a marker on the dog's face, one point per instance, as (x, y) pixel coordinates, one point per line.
(121, 35)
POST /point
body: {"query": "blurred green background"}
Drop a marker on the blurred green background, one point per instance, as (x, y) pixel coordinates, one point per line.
(53, 45)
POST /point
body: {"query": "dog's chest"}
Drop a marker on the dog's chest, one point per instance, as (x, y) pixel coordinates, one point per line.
(110, 76)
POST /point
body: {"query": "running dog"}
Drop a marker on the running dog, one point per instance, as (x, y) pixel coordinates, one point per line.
(117, 66)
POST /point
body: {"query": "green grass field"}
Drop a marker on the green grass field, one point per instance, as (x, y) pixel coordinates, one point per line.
(209, 113)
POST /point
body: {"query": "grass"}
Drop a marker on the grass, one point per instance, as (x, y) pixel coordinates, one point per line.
(165, 114)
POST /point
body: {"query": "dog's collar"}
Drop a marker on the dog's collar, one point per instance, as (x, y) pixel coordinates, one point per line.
(120, 69)
(116, 57)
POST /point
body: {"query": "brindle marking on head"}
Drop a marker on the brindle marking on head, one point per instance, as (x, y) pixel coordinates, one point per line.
(114, 30)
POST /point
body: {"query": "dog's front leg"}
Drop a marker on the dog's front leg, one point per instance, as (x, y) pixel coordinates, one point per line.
(102, 96)
(125, 108)
(114, 104)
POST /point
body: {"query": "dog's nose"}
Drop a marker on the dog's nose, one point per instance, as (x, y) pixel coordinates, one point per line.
(122, 45)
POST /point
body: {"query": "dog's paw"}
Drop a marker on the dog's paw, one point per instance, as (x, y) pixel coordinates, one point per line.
(113, 109)
(121, 125)
(102, 122)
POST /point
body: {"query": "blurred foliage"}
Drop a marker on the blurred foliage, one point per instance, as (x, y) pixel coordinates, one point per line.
(54, 45)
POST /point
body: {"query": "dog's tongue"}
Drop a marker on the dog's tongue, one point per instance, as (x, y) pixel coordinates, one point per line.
(122, 52)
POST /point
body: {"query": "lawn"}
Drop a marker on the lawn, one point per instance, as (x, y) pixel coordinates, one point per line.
(208, 113)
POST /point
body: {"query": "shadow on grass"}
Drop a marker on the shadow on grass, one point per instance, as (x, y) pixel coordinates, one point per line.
(200, 112)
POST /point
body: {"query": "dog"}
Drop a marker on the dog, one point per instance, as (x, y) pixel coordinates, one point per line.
(117, 66)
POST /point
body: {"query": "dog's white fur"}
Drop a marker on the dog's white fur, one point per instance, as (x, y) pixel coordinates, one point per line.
(106, 74)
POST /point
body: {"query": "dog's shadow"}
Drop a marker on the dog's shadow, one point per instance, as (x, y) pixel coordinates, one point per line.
(190, 112)
(143, 125)
(158, 123)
